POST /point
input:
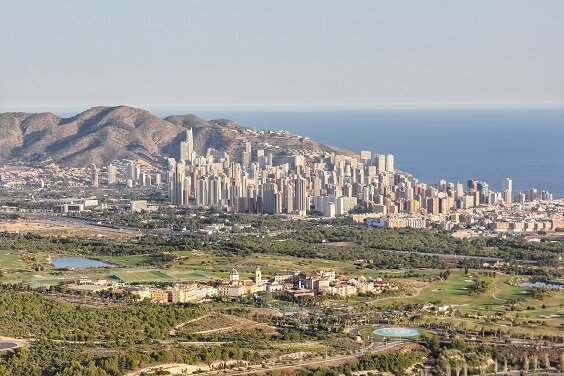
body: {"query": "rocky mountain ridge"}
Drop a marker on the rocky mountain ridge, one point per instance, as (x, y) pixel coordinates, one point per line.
(103, 134)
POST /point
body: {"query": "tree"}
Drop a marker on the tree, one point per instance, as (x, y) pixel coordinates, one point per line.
(433, 344)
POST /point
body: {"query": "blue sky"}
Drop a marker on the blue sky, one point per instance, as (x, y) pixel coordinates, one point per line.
(271, 53)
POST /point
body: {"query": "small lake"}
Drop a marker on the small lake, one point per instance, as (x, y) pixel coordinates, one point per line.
(77, 262)
(546, 285)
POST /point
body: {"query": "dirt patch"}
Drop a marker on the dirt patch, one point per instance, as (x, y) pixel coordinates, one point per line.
(7, 343)
(337, 244)
(182, 368)
(59, 229)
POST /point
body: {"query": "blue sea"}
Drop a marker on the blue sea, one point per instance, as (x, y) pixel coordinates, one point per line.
(455, 144)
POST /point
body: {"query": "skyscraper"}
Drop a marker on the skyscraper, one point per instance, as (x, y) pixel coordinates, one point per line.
(94, 175)
(112, 172)
(507, 190)
(459, 190)
(301, 196)
(178, 184)
(389, 163)
(187, 146)
(381, 163)
(190, 141)
(247, 156)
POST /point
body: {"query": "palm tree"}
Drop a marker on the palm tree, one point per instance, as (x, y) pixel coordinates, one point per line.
(457, 368)
(526, 363)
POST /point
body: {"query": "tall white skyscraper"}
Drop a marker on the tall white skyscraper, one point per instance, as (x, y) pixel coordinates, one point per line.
(389, 163)
(112, 172)
(190, 141)
(507, 190)
(247, 157)
(187, 146)
(507, 184)
(381, 163)
(459, 190)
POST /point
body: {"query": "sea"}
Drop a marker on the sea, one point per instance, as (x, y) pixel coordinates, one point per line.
(455, 144)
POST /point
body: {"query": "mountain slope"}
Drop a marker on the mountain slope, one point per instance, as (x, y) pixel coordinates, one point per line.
(102, 134)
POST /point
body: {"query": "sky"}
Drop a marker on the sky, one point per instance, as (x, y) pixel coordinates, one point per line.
(280, 53)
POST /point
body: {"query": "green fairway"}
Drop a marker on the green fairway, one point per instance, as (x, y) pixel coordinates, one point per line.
(219, 266)
(10, 260)
(190, 275)
(458, 290)
(128, 261)
(137, 276)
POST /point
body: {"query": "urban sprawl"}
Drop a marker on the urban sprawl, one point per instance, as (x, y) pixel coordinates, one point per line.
(367, 188)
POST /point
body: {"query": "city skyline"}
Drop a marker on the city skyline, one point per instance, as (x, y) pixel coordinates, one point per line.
(297, 188)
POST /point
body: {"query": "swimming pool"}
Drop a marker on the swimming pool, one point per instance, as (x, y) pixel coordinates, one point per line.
(397, 332)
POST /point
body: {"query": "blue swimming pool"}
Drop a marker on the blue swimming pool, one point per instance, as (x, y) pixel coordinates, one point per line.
(397, 332)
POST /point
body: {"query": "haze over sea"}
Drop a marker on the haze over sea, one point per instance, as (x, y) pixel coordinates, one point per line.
(455, 144)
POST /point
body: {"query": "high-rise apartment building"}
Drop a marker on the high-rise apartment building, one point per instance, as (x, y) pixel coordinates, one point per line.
(187, 147)
(112, 174)
(94, 175)
(507, 190)
(389, 163)
(302, 201)
(381, 163)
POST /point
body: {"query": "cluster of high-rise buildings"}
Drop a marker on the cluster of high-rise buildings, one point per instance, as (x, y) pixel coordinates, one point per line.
(134, 174)
(259, 181)
(255, 184)
(332, 186)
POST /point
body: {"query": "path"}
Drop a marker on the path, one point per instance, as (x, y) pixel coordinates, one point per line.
(183, 324)
(305, 363)
(496, 290)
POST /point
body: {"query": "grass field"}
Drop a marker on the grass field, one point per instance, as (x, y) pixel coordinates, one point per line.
(190, 275)
(133, 276)
(482, 307)
(457, 290)
(219, 266)
(10, 260)
(128, 261)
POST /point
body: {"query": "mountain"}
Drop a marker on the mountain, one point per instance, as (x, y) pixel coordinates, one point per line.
(103, 134)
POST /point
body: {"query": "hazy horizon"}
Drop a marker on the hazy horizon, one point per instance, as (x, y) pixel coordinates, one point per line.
(71, 110)
(252, 53)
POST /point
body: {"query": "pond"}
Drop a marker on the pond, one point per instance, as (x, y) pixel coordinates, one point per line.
(547, 285)
(77, 262)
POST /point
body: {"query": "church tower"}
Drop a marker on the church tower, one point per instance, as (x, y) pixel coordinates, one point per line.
(258, 276)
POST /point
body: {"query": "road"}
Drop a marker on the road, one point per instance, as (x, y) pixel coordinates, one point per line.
(302, 363)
